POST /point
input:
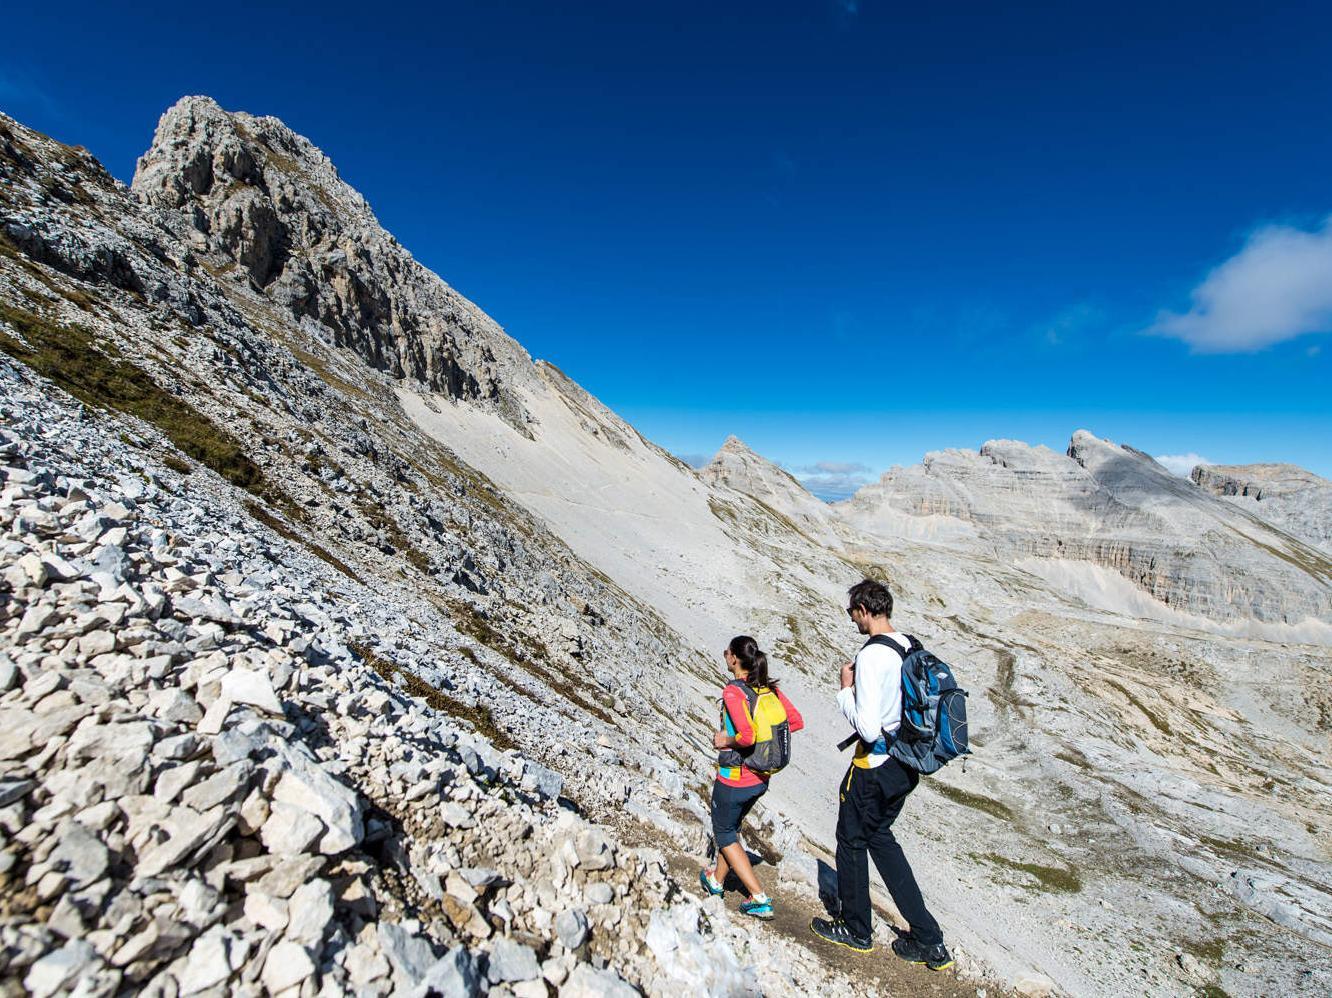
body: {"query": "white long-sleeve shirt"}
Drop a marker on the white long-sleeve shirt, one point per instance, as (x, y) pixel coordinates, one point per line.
(874, 704)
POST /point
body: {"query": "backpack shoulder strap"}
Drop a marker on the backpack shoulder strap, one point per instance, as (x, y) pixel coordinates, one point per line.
(887, 642)
(751, 697)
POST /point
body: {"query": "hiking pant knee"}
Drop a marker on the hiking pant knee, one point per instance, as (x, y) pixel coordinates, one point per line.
(871, 800)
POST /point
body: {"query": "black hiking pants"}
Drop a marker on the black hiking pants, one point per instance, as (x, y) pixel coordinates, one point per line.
(870, 802)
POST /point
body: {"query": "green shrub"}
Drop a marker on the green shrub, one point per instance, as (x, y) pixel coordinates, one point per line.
(69, 356)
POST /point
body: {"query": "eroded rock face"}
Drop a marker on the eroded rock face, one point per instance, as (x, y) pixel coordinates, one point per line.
(1113, 506)
(1286, 496)
(737, 467)
(263, 199)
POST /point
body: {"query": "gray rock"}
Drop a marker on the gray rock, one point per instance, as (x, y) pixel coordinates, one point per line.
(453, 976)
(454, 815)
(208, 964)
(512, 961)
(266, 911)
(178, 747)
(12, 790)
(22, 730)
(481, 876)
(588, 982)
(189, 833)
(305, 785)
(310, 913)
(290, 830)
(249, 687)
(571, 926)
(287, 965)
(594, 849)
(599, 893)
(34, 619)
(287, 875)
(226, 786)
(410, 955)
(175, 706)
(1192, 966)
(537, 778)
(79, 854)
(213, 608)
(1286, 496)
(59, 968)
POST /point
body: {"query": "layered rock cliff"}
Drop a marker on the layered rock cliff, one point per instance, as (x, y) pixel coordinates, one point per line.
(1112, 506)
(737, 467)
(1284, 495)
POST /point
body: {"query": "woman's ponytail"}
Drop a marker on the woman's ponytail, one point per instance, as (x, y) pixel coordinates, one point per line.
(752, 660)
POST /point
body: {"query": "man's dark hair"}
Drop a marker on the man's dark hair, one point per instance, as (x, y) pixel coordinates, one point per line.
(873, 596)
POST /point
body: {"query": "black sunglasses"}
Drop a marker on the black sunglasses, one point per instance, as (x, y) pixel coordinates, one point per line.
(851, 611)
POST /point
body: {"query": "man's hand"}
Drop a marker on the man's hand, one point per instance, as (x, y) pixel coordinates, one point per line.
(848, 675)
(721, 740)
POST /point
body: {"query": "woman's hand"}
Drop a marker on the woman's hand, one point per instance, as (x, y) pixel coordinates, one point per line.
(721, 739)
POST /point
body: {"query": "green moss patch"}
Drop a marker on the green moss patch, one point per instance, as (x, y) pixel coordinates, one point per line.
(70, 357)
(283, 529)
(994, 808)
(479, 716)
(533, 657)
(1156, 718)
(1050, 878)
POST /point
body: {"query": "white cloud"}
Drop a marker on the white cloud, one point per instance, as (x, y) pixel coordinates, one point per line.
(694, 460)
(833, 468)
(1181, 464)
(1278, 287)
(832, 480)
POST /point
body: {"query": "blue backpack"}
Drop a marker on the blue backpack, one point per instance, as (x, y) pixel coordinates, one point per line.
(933, 731)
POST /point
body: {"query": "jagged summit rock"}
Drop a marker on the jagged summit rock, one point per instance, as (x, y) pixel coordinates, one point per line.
(1259, 481)
(1284, 495)
(737, 467)
(263, 202)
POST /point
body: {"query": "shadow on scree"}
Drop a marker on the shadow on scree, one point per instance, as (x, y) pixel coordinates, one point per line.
(828, 889)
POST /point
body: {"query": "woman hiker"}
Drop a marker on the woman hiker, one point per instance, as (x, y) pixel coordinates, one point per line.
(752, 746)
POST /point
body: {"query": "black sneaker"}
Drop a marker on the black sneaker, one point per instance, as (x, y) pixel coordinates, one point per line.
(935, 957)
(835, 931)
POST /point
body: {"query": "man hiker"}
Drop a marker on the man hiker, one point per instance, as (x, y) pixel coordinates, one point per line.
(873, 791)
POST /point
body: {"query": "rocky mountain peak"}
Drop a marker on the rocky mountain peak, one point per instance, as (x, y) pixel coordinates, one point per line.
(269, 210)
(737, 466)
(1260, 481)
(734, 450)
(736, 458)
(1285, 495)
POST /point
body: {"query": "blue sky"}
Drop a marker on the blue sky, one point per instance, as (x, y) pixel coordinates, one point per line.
(848, 232)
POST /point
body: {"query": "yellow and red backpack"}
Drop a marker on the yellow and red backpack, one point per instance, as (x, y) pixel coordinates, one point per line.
(771, 750)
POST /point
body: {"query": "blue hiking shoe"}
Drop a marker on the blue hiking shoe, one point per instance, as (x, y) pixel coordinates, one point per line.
(756, 908)
(710, 886)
